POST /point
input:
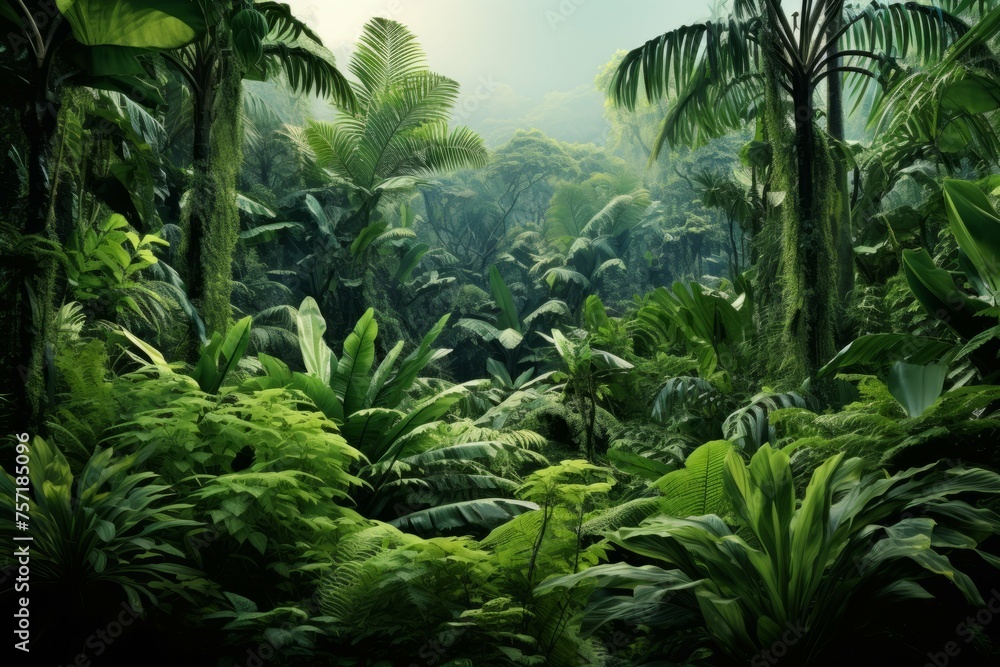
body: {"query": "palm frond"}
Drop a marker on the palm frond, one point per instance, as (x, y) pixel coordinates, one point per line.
(311, 69)
(386, 54)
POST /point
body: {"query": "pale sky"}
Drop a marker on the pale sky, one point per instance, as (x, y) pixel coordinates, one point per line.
(529, 47)
(534, 45)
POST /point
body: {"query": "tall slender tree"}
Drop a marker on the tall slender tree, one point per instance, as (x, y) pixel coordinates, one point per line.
(244, 40)
(761, 64)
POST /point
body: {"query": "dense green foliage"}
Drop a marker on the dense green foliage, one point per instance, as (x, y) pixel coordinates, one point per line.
(360, 391)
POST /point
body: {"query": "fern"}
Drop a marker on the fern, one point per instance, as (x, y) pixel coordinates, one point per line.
(631, 513)
(697, 488)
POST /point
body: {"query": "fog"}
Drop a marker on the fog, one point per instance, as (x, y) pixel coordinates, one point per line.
(534, 66)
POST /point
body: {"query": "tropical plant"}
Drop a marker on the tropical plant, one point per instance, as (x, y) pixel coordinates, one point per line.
(749, 427)
(107, 524)
(701, 322)
(54, 45)
(102, 268)
(585, 374)
(974, 223)
(418, 472)
(509, 330)
(550, 541)
(854, 547)
(589, 226)
(398, 132)
(757, 65)
(253, 40)
(737, 203)
(688, 404)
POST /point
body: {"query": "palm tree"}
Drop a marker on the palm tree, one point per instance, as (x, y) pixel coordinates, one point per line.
(398, 135)
(400, 131)
(760, 64)
(255, 40)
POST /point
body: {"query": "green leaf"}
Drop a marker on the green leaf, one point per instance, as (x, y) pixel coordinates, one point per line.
(350, 383)
(154, 355)
(974, 94)
(253, 207)
(640, 466)
(460, 517)
(258, 540)
(976, 226)
(265, 233)
(916, 387)
(594, 314)
(877, 350)
(316, 354)
(394, 391)
(221, 356)
(935, 290)
(508, 317)
(152, 24)
(240, 603)
(410, 261)
(696, 489)
(509, 339)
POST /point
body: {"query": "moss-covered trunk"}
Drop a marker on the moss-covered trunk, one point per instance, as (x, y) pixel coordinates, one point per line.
(212, 223)
(842, 224)
(803, 304)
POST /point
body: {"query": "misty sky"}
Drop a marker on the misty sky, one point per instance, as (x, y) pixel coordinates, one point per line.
(523, 49)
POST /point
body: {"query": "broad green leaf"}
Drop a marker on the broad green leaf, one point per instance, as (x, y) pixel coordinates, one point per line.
(350, 382)
(410, 261)
(697, 488)
(265, 233)
(254, 207)
(916, 387)
(316, 354)
(976, 226)
(394, 391)
(876, 350)
(463, 516)
(936, 291)
(640, 466)
(152, 24)
(508, 317)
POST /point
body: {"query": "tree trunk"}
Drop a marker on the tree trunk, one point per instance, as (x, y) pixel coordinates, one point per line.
(797, 286)
(202, 169)
(592, 418)
(842, 225)
(812, 246)
(38, 120)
